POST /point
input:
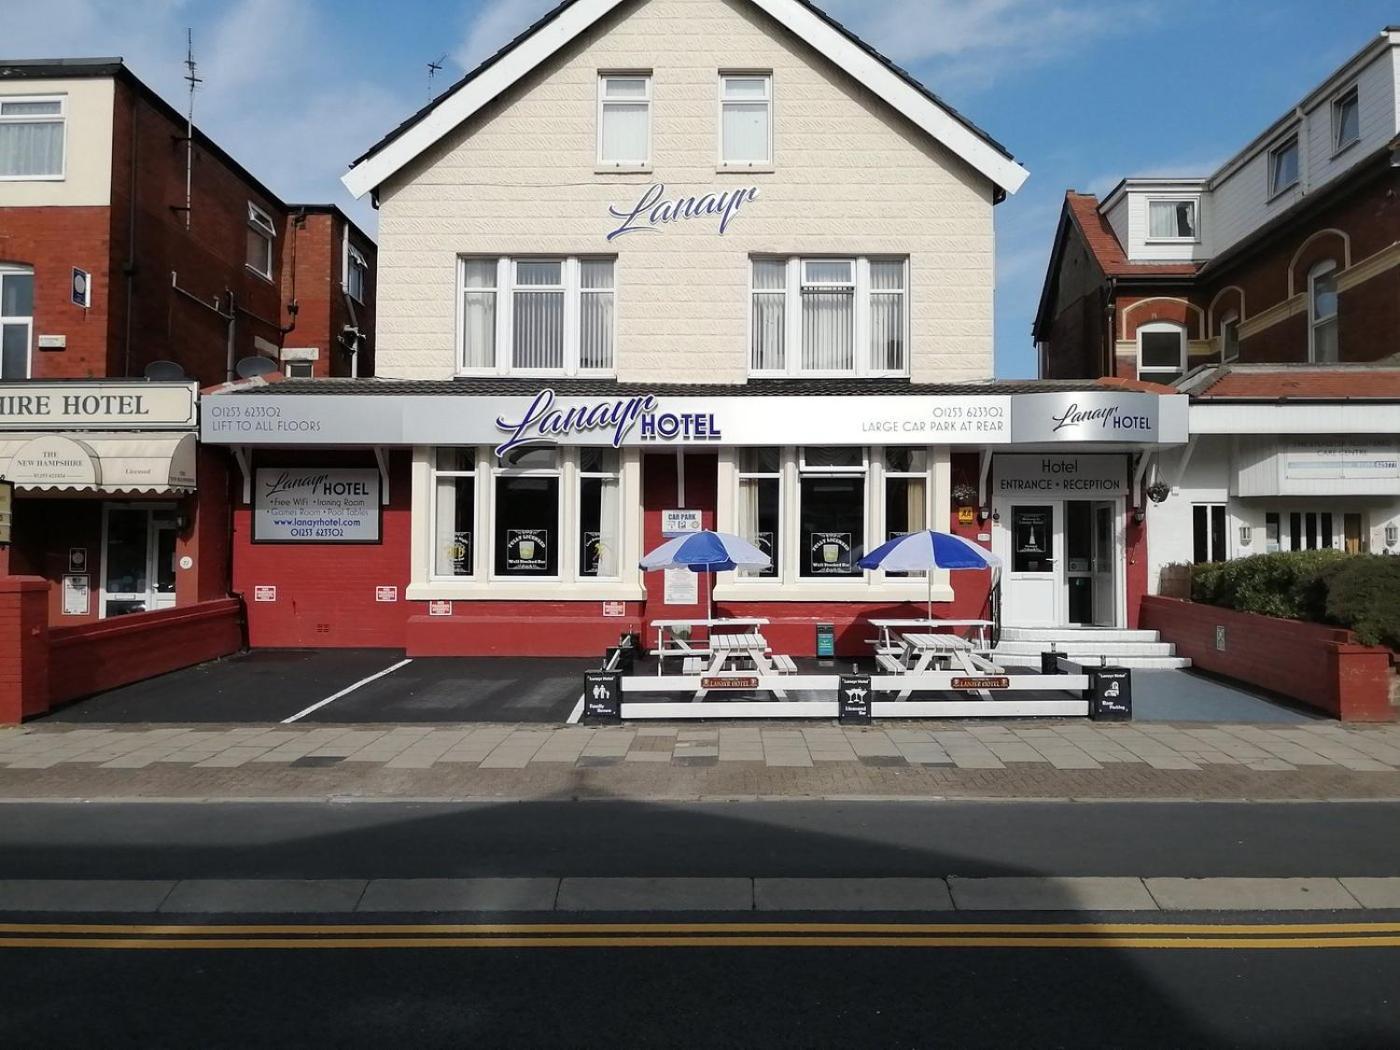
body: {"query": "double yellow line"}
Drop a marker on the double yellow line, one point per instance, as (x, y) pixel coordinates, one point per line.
(1144, 935)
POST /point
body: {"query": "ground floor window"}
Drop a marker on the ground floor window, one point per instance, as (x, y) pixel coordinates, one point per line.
(138, 558)
(906, 494)
(1309, 530)
(760, 504)
(831, 512)
(1208, 532)
(599, 526)
(526, 505)
(454, 512)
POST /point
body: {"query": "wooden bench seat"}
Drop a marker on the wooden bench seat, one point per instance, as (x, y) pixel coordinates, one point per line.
(890, 664)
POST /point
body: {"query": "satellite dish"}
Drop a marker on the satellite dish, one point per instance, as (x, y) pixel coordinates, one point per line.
(165, 372)
(252, 367)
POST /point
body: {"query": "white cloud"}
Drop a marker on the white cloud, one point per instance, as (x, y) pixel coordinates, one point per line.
(970, 45)
(495, 24)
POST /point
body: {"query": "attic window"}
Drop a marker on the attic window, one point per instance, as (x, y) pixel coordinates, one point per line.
(261, 234)
(1171, 220)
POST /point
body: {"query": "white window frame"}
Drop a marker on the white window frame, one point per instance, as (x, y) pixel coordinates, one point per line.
(475, 474)
(1290, 141)
(559, 471)
(576, 548)
(41, 118)
(766, 75)
(21, 319)
(1231, 318)
(150, 594)
(1195, 203)
(799, 548)
(926, 475)
(261, 222)
(1322, 269)
(1161, 326)
(1351, 95)
(299, 369)
(1210, 509)
(792, 318)
(742, 475)
(355, 263)
(601, 163)
(504, 292)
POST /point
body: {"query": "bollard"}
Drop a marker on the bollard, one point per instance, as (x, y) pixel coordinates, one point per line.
(619, 658)
(853, 697)
(1110, 694)
(1050, 662)
(602, 698)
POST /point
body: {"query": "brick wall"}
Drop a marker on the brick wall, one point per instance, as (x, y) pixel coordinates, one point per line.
(1319, 666)
(24, 683)
(315, 242)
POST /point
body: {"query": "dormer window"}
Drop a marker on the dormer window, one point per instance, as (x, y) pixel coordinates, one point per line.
(1346, 119)
(1172, 220)
(1283, 166)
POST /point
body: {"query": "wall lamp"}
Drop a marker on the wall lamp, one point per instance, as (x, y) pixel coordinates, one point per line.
(1246, 534)
(1392, 535)
(1139, 515)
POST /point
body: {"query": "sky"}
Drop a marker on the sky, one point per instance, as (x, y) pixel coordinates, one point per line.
(1082, 92)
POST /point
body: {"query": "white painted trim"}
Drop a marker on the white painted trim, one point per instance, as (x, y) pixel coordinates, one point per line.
(348, 689)
(867, 71)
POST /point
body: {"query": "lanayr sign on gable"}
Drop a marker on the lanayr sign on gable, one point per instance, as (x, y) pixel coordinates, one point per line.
(652, 209)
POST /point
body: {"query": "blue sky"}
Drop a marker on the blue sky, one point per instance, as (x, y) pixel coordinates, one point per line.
(1083, 92)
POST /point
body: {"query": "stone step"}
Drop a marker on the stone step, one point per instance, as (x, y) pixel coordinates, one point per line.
(1142, 663)
(1075, 648)
(1103, 634)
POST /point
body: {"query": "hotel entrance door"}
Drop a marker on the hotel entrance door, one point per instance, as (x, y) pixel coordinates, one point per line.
(1062, 560)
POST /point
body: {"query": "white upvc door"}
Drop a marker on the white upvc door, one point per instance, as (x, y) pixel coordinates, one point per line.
(1031, 539)
(138, 559)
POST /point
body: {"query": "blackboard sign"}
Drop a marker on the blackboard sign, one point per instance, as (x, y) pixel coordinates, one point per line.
(602, 697)
(1111, 694)
(853, 697)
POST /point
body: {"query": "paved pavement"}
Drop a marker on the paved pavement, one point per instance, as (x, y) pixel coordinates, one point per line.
(1023, 759)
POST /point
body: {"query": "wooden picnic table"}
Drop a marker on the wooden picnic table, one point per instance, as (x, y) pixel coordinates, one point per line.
(668, 643)
(941, 652)
(888, 628)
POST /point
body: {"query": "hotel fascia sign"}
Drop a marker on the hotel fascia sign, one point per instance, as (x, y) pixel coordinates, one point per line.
(507, 422)
(122, 405)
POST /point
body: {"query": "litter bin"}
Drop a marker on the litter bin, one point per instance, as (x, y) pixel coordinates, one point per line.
(826, 639)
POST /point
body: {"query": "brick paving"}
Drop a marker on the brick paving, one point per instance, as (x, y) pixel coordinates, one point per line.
(929, 759)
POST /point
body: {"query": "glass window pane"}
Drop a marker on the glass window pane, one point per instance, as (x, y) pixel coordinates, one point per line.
(1032, 539)
(31, 148)
(1217, 533)
(1348, 117)
(624, 138)
(14, 351)
(599, 460)
(1200, 542)
(527, 525)
(848, 457)
(827, 271)
(548, 272)
(625, 87)
(1285, 166)
(1325, 294)
(832, 526)
(479, 329)
(1161, 349)
(532, 457)
(758, 517)
(745, 132)
(828, 329)
(769, 331)
(539, 330)
(745, 87)
(907, 460)
(456, 515)
(259, 252)
(887, 331)
(905, 503)
(1171, 218)
(126, 550)
(599, 539)
(760, 460)
(1325, 342)
(456, 458)
(770, 274)
(479, 273)
(16, 294)
(596, 273)
(596, 330)
(886, 275)
(165, 558)
(31, 109)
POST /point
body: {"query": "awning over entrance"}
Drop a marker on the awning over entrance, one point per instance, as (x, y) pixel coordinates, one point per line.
(97, 462)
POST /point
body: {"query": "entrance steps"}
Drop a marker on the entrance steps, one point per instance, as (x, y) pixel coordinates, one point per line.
(1092, 645)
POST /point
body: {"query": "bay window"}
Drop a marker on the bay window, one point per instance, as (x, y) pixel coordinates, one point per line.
(760, 504)
(31, 137)
(525, 506)
(829, 317)
(454, 512)
(599, 524)
(906, 494)
(536, 316)
(831, 511)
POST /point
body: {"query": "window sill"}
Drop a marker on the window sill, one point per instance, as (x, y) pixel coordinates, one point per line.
(1282, 191)
(852, 590)
(1171, 240)
(481, 590)
(745, 169)
(32, 178)
(258, 273)
(1343, 148)
(622, 169)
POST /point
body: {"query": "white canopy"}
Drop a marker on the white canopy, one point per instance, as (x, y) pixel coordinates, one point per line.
(96, 462)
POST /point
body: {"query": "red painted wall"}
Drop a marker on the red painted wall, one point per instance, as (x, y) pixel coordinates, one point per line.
(24, 647)
(1318, 665)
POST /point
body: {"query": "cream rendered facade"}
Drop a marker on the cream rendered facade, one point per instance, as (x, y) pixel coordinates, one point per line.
(849, 177)
(87, 152)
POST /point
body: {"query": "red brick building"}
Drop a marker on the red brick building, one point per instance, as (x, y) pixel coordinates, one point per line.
(139, 263)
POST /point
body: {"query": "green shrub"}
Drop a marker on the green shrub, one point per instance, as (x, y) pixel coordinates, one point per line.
(1357, 591)
(1364, 594)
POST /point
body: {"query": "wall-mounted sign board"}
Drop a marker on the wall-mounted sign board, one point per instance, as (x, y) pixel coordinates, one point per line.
(316, 505)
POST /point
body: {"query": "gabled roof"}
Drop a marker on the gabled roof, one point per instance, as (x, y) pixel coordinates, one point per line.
(571, 18)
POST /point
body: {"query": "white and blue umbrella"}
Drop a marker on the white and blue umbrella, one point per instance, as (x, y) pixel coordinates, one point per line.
(925, 550)
(707, 551)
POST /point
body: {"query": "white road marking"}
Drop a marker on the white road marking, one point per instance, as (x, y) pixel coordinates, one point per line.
(348, 689)
(577, 712)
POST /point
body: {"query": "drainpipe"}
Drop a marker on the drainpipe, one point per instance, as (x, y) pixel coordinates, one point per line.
(230, 315)
(129, 265)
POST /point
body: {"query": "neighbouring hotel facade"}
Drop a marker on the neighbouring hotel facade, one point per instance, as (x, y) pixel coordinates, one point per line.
(665, 265)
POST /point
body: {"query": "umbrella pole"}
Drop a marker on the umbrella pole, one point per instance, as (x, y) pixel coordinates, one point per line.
(928, 575)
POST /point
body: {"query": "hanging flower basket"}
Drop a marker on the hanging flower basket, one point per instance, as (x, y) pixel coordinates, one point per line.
(964, 493)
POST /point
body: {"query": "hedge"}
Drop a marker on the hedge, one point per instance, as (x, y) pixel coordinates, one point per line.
(1357, 591)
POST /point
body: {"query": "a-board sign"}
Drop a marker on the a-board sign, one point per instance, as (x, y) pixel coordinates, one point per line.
(602, 696)
(992, 682)
(729, 681)
(1111, 694)
(853, 697)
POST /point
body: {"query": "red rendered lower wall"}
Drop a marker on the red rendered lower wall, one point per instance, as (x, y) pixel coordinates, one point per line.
(24, 664)
(520, 629)
(93, 657)
(1320, 666)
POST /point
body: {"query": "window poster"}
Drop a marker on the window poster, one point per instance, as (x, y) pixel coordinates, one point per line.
(764, 542)
(830, 553)
(682, 587)
(592, 552)
(1032, 539)
(460, 554)
(527, 550)
(316, 505)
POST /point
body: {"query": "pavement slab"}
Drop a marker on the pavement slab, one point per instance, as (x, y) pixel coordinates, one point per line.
(83, 895)
(466, 895)
(1046, 893)
(1226, 894)
(839, 894)
(655, 894)
(251, 896)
